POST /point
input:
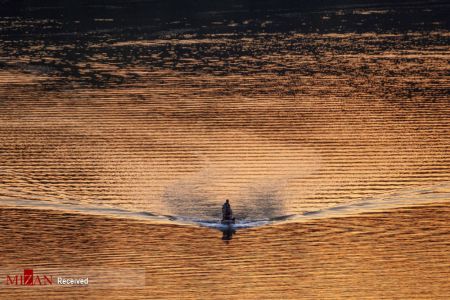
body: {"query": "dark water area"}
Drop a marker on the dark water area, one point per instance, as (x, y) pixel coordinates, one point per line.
(178, 7)
(68, 46)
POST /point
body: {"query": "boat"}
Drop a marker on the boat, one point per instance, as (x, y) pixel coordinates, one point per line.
(227, 214)
(228, 221)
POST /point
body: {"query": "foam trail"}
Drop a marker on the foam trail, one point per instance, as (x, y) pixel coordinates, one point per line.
(89, 210)
(412, 197)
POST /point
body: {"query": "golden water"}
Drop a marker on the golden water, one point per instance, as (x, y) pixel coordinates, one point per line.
(281, 122)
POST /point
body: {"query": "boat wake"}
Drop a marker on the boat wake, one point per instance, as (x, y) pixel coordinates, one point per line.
(406, 198)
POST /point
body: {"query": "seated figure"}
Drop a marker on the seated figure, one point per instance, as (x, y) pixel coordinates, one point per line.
(227, 213)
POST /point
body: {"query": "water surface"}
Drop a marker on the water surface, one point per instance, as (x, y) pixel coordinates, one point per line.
(121, 135)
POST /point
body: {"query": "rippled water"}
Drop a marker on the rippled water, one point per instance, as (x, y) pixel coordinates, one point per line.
(401, 253)
(295, 116)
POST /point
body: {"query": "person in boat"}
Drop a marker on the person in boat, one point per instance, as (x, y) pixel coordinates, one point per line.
(227, 213)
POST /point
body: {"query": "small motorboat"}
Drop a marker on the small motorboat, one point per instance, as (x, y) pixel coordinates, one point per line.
(228, 221)
(227, 214)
